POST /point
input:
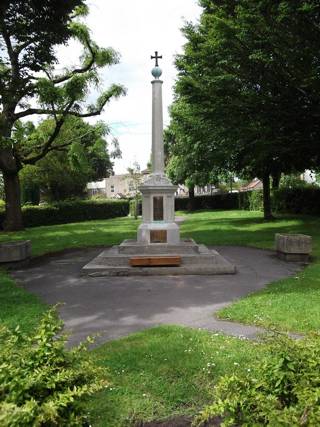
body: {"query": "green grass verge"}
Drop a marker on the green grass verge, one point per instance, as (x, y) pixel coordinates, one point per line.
(164, 372)
(55, 238)
(18, 307)
(291, 304)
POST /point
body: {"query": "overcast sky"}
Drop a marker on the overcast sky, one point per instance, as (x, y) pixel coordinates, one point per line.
(136, 29)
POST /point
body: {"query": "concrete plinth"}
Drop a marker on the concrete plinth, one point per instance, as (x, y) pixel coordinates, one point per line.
(195, 259)
(15, 251)
(293, 247)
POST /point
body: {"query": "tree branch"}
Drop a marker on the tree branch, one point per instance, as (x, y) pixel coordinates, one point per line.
(81, 70)
(47, 146)
(51, 112)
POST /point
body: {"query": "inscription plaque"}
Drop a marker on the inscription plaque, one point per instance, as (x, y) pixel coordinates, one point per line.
(158, 236)
(158, 208)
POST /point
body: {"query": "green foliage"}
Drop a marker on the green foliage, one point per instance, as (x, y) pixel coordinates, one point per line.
(246, 99)
(255, 199)
(81, 156)
(249, 200)
(282, 389)
(135, 207)
(41, 382)
(72, 211)
(293, 181)
(304, 199)
(31, 84)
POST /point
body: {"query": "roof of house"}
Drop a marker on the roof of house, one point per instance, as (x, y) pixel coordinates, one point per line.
(255, 184)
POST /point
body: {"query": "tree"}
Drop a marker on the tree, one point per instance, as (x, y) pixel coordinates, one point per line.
(136, 179)
(82, 158)
(30, 86)
(185, 162)
(250, 77)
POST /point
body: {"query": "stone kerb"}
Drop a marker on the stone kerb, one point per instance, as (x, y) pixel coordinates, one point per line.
(15, 251)
(293, 247)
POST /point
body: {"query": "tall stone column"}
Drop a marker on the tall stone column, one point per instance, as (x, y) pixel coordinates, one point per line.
(157, 128)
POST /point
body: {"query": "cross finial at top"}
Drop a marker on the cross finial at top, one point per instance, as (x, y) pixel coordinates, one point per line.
(156, 57)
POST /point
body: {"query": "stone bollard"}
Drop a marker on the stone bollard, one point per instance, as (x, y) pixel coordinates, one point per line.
(15, 251)
(293, 247)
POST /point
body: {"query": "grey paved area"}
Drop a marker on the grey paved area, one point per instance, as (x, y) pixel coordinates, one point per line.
(118, 306)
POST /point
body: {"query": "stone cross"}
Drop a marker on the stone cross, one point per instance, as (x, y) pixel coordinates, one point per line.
(156, 57)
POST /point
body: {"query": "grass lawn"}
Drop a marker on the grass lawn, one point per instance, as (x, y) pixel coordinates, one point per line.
(55, 238)
(18, 307)
(171, 370)
(164, 372)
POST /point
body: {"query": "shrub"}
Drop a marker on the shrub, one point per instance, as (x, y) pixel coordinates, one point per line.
(217, 201)
(280, 390)
(135, 207)
(72, 211)
(41, 382)
(297, 200)
(250, 200)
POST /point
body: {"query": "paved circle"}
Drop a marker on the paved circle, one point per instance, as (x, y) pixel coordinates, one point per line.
(117, 306)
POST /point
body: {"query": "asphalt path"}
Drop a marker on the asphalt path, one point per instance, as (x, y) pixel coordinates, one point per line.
(117, 306)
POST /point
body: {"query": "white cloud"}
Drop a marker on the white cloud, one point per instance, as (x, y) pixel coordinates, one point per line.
(136, 29)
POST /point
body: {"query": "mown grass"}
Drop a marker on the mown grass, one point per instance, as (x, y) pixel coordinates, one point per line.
(164, 372)
(18, 307)
(54, 238)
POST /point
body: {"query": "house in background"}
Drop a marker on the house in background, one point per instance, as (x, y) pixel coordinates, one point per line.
(255, 184)
(115, 186)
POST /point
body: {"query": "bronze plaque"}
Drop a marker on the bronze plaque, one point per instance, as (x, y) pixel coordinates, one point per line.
(158, 236)
(158, 208)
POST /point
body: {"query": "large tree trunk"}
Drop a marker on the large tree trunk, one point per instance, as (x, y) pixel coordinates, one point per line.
(13, 220)
(191, 198)
(276, 176)
(266, 197)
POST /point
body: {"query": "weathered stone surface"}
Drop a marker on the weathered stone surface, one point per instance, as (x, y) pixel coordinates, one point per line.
(195, 259)
(15, 251)
(293, 247)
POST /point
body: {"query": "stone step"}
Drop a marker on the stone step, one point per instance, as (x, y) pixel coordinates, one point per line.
(117, 260)
(200, 269)
(132, 247)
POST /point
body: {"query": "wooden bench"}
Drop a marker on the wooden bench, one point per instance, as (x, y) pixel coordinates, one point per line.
(155, 261)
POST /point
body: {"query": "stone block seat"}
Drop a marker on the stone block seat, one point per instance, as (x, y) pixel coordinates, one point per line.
(293, 247)
(15, 252)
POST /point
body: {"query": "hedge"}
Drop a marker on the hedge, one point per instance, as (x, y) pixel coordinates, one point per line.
(297, 200)
(72, 211)
(252, 200)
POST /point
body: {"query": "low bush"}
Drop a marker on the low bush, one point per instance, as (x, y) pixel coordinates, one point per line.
(135, 207)
(72, 211)
(297, 200)
(250, 200)
(41, 382)
(280, 390)
(218, 201)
